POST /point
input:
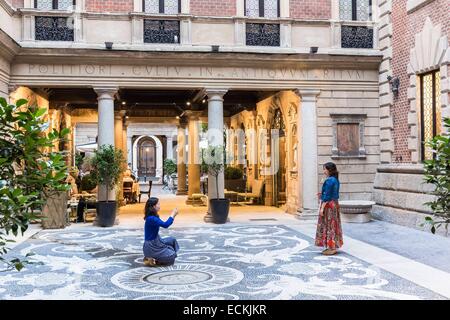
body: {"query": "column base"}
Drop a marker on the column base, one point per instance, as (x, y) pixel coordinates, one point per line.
(194, 201)
(308, 214)
(181, 192)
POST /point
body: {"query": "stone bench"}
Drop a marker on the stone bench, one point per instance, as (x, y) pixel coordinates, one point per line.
(356, 211)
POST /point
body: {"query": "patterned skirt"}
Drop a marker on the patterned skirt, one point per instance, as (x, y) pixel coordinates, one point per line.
(163, 250)
(329, 229)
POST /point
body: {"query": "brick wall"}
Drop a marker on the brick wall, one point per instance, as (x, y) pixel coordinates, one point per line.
(405, 26)
(223, 8)
(109, 5)
(310, 9)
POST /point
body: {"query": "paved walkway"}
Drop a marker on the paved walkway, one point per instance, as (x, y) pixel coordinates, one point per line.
(263, 253)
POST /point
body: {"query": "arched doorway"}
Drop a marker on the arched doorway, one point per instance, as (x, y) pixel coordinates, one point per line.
(279, 178)
(146, 158)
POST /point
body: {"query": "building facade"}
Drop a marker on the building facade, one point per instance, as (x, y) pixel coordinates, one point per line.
(147, 73)
(414, 96)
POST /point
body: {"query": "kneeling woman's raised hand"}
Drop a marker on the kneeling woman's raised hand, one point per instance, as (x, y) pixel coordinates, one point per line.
(174, 213)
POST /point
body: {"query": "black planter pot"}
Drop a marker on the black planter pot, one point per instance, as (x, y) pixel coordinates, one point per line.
(106, 213)
(219, 210)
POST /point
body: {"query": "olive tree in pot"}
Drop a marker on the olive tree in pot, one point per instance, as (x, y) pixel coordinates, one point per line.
(213, 162)
(107, 168)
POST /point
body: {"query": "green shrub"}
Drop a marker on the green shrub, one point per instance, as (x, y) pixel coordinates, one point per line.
(232, 173)
(88, 183)
(437, 172)
(170, 167)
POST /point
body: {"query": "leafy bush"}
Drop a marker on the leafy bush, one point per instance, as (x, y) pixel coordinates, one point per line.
(232, 173)
(29, 168)
(437, 172)
(88, 182)
(170, 167)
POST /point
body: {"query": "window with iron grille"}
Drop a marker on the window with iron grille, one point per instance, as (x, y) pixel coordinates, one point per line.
(54, 29)
(430, 110)
(262, 8)
(162, 6)
(54, 4)
(355, 10)
(161, 31)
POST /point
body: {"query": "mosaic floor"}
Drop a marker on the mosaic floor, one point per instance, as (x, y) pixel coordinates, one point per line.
(226, 262)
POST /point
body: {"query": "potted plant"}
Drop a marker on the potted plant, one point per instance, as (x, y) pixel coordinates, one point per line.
(213, 162)
(107, 168)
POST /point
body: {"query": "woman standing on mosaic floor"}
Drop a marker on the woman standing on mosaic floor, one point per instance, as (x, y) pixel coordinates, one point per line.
(157, 250)
(329, 229)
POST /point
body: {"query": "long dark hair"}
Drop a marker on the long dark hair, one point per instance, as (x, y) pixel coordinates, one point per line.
(150, 207)
(332, 170)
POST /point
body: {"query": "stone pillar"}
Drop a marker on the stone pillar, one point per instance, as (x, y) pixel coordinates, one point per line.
(308, 166)
(105, 125)
(118, 142)
(194, 157)
(130, 150)
(169, 147)
(215, 138)
(181, 159)
(70, 137)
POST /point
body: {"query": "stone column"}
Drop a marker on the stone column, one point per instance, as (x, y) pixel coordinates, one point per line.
(169, 147)
(181, 159)
(215, 138)
(194, 157)
(308, 166)
(70, 137)
(118, 142)
(105, 125)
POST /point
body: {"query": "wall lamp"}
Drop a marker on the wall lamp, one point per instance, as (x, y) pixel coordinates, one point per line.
(109, 45)
(215, 48)
(313, 49)
(395, 84)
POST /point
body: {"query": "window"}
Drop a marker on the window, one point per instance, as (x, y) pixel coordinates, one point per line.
(355, 10)
(348, 136)
(162, 6)
(262, 8)
(430, 111)
(54, 4)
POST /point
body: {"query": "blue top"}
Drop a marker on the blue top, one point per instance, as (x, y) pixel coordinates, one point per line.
(152, 224)
(330, 189)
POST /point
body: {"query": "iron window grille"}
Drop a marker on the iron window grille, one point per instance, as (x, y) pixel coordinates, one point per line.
(162, 6)
(262, 34)
(54, 4)
(356, 37)
(53, 29)
(161, 31)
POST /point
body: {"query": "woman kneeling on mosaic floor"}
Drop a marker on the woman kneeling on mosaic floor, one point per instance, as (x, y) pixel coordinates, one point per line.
(329, 229)
(157, 250)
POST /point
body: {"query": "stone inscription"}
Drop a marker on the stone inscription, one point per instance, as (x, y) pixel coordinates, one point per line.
(149, 71)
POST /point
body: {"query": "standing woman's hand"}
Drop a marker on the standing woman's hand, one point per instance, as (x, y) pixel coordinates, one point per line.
(174, 212)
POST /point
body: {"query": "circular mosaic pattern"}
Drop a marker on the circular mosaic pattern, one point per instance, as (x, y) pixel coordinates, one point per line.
(214, 296)
(192, 257)
(253, 242)
(79, 235)
(260, 230)
(177, 278)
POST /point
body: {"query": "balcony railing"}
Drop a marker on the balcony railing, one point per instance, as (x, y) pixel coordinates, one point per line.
(54, 28)
(161, 31)
(360, 37)
(263, 34)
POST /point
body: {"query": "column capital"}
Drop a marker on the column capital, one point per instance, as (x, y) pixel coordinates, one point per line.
(106, 92)
(120, 115)
(193, 115)
(12, 88)
(307, 94)
(210, 92)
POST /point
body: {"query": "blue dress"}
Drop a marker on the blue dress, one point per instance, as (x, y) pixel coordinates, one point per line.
(163, 250)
